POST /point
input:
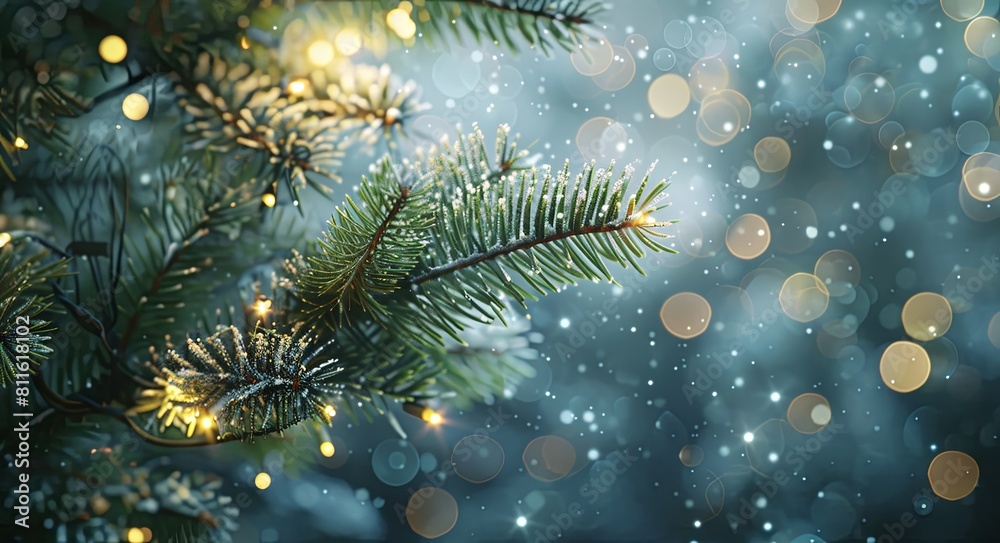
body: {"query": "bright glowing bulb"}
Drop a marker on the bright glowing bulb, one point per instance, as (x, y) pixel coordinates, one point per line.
(135, 106)
(135, 535)
(397, 18)
(262, 480)
(432, 417)
(522, 522)
(297, 86)
(320, 52)
(330, 411)
(262, 306)
(112, 49)
(775, 396)
(244, 42)
(348, 41)
(268, 199)
(20, 143)
(748, 437)
(406, 31)
(4, 238)
(327, 449)
(206, 422)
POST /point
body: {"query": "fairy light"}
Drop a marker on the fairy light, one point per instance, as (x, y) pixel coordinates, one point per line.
(112, 49)
(244, 42)
(206, 422)
(135, 106)
(327, 449)
(268, 199)
(423, 413)
(396, 18)
(4, 238)
(20, 143)
(262, 480)
(135, 535)
(262, 307)
(320, 52)
(432, 417)
(297, 87)
(348, 41)
(330, 411)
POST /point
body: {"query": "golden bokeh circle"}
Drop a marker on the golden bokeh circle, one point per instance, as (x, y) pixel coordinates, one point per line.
(804, 297)
(839, 271)
(721, 117)
(979, 32)
(869, 97)
(691, 456)
(953, 475)
(549, 458)
(135, 106)
(813, 11)
(786, 35)
(431, 512)
(686, 315)
(669, 96)
(112, 49)
(993, 330)
(926, 316)
(809, 413)
(796, 56)
(477, 458)
(904, 366)
(592, 56)
(976, 209)
(772, 154)
(706, 76)
(981, 176)
(748, 236)
(962, 10)
(899, 152)
(600, 138)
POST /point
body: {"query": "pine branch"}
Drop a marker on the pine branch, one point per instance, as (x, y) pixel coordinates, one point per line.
(22, 331)
(545, 229)
(266, 385)
(189, 236)
(453, 255)
(301, 126)
(367, 251)
(541, 23)
(571, 13)
(527, 243)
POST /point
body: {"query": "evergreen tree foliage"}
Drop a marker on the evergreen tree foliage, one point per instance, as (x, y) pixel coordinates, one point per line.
(182, 305)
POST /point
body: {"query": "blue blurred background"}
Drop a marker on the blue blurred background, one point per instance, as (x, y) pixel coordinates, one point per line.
(790, 129)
